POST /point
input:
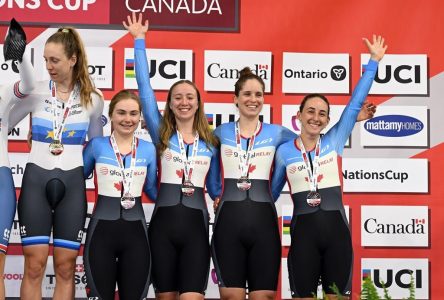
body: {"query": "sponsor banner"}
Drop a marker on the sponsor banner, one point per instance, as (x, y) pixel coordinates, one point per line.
(396, 126)
(395, 226)
(166, 67)
(21, 130)
(287, 213)
(14, 275)
(315, 73)
(100, 66)
(222, 68)
(400, 74)
(208, 15)
(290, 120)
(219, 113)
(385, 175)
(396, 274)
(9, 72)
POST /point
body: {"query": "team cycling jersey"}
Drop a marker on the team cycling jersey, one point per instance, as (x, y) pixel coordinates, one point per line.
(99, 155)
(320, 239)
(80, 121)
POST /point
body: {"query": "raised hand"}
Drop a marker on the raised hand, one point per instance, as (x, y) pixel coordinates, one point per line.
(135, 26)
(367, 111)
(377, 48)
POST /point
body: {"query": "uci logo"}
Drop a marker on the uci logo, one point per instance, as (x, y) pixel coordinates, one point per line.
(338, 73)
(168, 69)
(404, 74)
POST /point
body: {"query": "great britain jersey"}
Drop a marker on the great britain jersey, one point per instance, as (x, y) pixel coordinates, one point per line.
(268, 138)
(206, 170)
(99, 155)
(80, 121)
(290, 165)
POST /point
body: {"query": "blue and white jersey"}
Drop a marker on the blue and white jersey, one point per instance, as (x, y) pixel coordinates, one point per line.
(290, 164)
(206, 166)
(268, 138)
(80, 121)
(99, 155)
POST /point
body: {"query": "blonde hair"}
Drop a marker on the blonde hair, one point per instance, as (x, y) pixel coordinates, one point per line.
(73, 45)
(200, 124)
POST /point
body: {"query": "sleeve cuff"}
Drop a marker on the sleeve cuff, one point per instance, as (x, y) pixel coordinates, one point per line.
(372, 65)
(139, 43)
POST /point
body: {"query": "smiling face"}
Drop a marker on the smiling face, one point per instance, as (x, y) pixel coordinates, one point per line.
(125, 117)
(184, 102)
(314, 116)
(58, 65)
(250, 99)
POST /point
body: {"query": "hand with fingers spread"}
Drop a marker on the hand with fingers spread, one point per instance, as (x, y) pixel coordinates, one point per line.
(367, 111)
(135, 26)
(376, 48)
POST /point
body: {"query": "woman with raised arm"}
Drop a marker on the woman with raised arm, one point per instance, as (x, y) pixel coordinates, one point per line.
(64, 109)
(117, 248)
(9, 96)
(320, 238)
(188, 162)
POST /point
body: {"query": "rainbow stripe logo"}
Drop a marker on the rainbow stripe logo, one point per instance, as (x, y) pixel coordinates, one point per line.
(286, 222)
(129, 68)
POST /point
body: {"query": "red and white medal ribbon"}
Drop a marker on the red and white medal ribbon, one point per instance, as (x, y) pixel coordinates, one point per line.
(188, 163)
(126, 180)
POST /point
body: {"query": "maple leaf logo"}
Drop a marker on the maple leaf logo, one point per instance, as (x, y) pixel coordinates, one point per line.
(179, 173)
(252, 168)
(118, 186)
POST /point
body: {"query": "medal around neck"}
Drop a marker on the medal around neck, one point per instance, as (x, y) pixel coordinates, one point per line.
(313, 199)
(187, 188)
(244, 183)
(127, 201)
(56, 147)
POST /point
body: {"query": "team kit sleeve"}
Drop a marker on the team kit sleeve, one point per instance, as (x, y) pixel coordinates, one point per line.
(285, 136)
(343, 128)
(214, 181)
(150, 111)
(279, 174)
(89, 160)
(150, 187)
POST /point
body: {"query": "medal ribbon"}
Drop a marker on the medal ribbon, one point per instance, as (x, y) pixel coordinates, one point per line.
(126, 180)
(188, 164)
(312, 175)
(57, 124)
(244, 156)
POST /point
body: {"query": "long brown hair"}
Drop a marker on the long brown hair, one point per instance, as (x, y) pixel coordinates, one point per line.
(73, 45)
(200, 124)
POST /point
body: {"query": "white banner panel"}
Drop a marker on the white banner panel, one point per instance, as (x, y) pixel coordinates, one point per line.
(100, 66)
(396, 126)
(400, 74)
(395, 226)
(21, 130)
(222, 68)
(396, 274)
(166, 67)
(385, 175)
(315, 73)
(14, 275)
